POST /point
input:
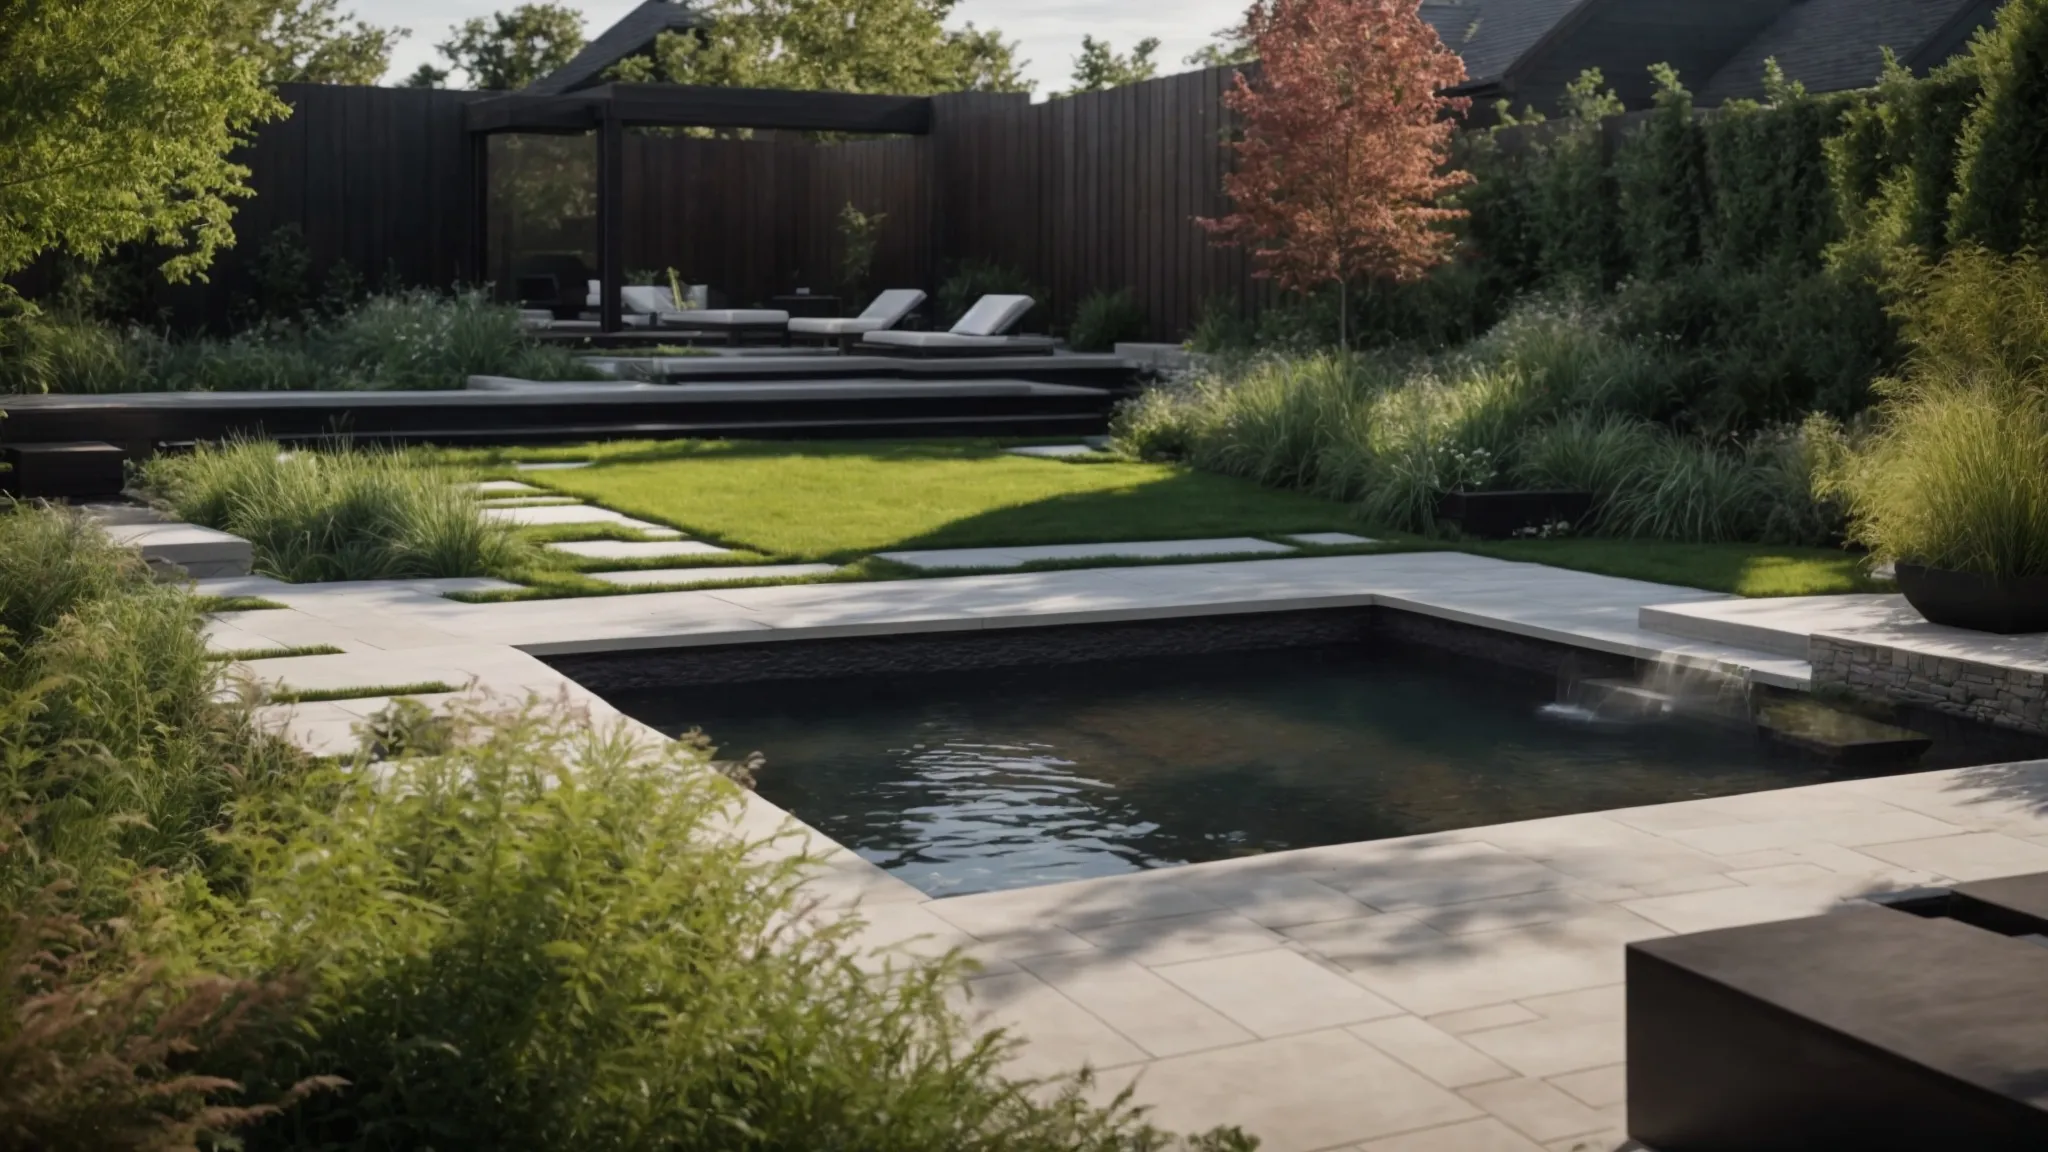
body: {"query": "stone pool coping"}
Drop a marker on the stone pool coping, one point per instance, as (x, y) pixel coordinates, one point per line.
(1450, 991)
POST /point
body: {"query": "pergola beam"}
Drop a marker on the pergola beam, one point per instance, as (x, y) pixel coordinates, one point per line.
(699, 106)
(612, 108)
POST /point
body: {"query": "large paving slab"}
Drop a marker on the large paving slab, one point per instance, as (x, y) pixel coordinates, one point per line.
(552, 514)
(1779, 624)
(1135, 549)
(188, 548)
(1459, 990)
(725, 574)
(636, 549)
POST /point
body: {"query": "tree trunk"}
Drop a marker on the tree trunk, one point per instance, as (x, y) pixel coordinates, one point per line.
(1344, 313)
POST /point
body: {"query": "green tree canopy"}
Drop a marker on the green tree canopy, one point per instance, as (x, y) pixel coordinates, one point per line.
(836, 45)
(2001, 196)
(513, 49)
(426, 76)
(314, 42)
(1226, 47)
(116, 118)
(1100, 67)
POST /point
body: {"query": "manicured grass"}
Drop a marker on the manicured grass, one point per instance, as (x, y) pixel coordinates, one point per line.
(842, 501)
(1743, 569)
(235, 604)
(240, 654)
(317, 695)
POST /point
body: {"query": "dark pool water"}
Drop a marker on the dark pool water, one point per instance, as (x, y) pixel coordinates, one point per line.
(961, 783)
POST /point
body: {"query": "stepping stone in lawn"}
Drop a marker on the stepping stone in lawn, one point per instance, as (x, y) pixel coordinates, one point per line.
(1331, 539)
(550, 465)
(636, 549)
(1054, 451)
(529, 501)
(654, 576)
(489, 487)
(1142, 549)
(575, 514)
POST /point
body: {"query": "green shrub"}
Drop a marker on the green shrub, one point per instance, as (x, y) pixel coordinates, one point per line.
(1222, 328)
(1798, 470)
(2001, 196)
(411, 340)
(1660, 173)
(1955, 476)
(336, 515)
(1106, 319)
(518, 930)
(552, 937)
(973, 279)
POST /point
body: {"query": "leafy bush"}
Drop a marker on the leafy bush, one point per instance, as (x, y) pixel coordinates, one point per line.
(550, 936)
(336, 515)
(526, 931)
(973, 279)
(1106, 319)
(1955, 476)
(411, 340)
(117, 764)
(2001, 196)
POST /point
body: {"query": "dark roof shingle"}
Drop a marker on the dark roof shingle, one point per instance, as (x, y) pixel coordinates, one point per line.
(1492, 34)
(1833, 45)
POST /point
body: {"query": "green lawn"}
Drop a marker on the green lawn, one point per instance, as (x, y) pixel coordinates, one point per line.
(838, 502)
(842, 502)
(1743, 569)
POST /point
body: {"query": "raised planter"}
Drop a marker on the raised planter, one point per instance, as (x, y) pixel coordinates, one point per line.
(1982, 603)
(1499, 515)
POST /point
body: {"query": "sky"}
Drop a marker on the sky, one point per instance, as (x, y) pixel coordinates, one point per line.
(1049, 31)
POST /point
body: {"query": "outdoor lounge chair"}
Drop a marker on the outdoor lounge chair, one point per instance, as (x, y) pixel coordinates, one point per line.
(979, 333)
(887, 311)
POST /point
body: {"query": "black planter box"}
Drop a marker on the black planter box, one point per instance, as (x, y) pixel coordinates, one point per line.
(1872, 1028)
(87, 470)
(1499, 515)
(1982, 603)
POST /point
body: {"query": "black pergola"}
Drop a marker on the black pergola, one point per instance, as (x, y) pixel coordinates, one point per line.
(610, 109)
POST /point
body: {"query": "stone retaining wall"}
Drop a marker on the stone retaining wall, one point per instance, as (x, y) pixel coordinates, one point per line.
(1986, 693)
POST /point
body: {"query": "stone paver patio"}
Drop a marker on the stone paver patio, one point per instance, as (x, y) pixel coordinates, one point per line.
(1436, 993)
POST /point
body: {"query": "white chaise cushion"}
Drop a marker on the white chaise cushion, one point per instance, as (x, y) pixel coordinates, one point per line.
(647, 300)
(992, 315)
(816, 326)
(892, 306)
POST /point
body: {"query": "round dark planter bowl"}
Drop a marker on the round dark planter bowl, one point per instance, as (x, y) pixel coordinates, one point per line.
(1981, 603)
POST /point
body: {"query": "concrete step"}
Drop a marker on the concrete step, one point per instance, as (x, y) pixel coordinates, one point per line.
(1772, 634)
(201, 553)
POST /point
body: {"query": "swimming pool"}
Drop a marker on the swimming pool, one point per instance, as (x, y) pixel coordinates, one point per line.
(968, 781)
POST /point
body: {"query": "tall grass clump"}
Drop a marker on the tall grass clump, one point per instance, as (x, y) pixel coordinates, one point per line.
(1956, 477)
(1586, 451)
(341, 514)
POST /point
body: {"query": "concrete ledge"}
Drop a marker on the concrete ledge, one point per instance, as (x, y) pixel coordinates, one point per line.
(200, 553)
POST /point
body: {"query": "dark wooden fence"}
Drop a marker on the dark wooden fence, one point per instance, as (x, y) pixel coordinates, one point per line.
(1080, 194)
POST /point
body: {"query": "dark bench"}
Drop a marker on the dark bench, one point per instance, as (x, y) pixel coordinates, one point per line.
(79, 470)
(1873, 1029)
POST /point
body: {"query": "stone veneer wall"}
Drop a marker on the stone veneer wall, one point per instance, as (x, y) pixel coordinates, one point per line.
(1986, 693)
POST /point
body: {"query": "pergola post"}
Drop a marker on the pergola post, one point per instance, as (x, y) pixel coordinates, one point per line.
(611, 222)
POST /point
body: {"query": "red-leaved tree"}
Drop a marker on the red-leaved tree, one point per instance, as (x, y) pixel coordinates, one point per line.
(1344, 153)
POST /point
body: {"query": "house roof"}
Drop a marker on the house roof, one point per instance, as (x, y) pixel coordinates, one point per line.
(1493, 34)
(1833, 45)
(635, 33)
